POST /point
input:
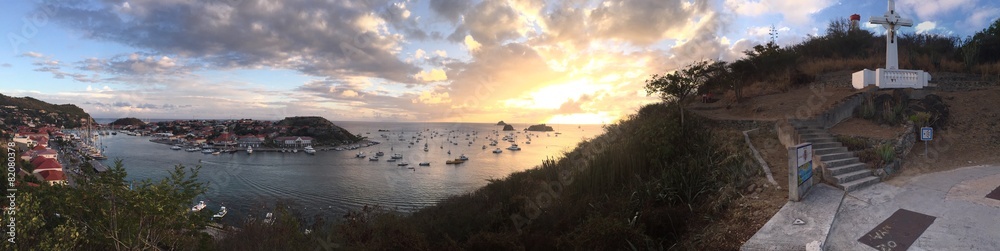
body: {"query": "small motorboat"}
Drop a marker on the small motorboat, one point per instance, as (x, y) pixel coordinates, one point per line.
(463, 158)
(403, 164)
(373, 158)
(454, 162)
(360, 155)
(424, 164)
(497, 150)
(176, 147)
(201, 205)
(222, 213)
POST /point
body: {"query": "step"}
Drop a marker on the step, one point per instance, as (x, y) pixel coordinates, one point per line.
(816, 140)
(835, 155)
(834, 171)
(858, 184)
(826, 145)
(829, 150)
(840, 162)
(852, 176)
(814, 134)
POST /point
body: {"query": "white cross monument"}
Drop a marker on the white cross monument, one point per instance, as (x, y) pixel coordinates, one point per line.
(891, 76)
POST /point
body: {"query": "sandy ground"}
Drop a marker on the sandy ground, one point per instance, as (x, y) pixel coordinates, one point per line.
(802, 100)
(865, 128)
(972, 136)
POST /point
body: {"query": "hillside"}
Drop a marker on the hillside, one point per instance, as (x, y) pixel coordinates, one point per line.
(22, 111)
(321, 129)
(128, 122)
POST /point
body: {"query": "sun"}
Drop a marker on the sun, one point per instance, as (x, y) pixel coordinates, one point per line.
(581, 118)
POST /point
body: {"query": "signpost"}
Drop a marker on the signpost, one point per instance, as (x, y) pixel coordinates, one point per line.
(926, 134)
(800, 171)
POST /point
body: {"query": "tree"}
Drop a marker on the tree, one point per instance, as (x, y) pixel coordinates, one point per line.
(102, 212)
(681, 84)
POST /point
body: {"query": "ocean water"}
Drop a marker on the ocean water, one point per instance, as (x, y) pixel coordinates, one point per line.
(332, 182)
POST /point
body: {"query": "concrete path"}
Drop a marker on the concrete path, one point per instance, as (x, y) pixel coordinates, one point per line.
(816, 214)
(962, 217)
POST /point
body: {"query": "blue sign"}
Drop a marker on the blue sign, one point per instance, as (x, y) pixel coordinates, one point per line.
(926, 133)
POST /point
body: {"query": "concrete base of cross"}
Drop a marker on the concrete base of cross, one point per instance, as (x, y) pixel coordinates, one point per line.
(890, 78)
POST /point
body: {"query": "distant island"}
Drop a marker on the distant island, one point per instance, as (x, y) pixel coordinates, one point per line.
(501, 123)
(540, 128)
(507, 127)
(123, 122)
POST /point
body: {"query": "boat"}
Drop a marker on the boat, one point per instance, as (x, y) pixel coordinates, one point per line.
(424, 164)
(207, 151)
(403, 164)
(390, 160)
(375, 158)
(397, 156)
(268, 218)
(114, 133)
(249, 149)
(192, 149)
(497, 150)
(514, 147)
(425, 149)
(222, 213)
(379, 153)
(463, 157)
(216, 153)
(360, 155)
(454, 162)
(175, 147)
(309, 150)
(528, 142)
(484, 147)
(201, 205)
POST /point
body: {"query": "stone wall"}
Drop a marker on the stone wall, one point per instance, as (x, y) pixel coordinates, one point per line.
(844, 109)
(903, 145)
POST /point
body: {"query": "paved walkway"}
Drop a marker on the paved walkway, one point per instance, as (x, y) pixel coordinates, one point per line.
(938, 211)
(962, 217)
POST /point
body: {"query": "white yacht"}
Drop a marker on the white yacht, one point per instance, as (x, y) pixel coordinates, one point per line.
(207, 151)
(192, 149)
(360, 155)
(201, 205)
(309, 150)
(514, 147)
(373, 158)
(463, 157)
(397, 156)
(175, 147)
(222, 213)
(249, 150)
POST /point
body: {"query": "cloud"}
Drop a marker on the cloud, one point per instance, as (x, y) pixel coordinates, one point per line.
(32, 54)
(450, 9)
(932, 9)
(349, 93)
(433, 75)
(441, 53)
(322, 38)
(5, 65)
(121, 104)
(574, 106)
(793, 11)
(925, 27)
(147, 106)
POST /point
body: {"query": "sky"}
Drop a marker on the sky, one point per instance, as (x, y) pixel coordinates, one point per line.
(527, 61)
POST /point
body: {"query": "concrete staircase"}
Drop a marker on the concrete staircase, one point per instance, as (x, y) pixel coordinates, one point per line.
(840, 167)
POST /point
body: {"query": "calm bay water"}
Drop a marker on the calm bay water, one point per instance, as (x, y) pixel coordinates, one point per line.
(332, 182)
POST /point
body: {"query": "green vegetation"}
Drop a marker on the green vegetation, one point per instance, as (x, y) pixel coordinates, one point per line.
(31, 110)
(102, 213)
(128, 122)
(321, 129)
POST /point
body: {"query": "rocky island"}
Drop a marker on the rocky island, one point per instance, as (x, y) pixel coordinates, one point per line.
(539, 128)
